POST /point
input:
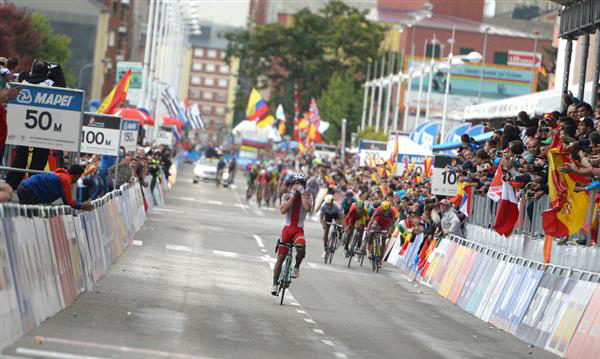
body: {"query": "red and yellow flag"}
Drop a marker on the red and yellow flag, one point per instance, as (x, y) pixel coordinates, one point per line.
(568, 209)
(117, 96)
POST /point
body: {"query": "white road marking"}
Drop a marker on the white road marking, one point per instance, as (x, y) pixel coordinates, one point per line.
(135, 242)
(215, 202)
(238, 199)
(259, 241)
(175, 247)
(270, 209)
(300, 311)
(328, 342)
(233, 186)
(312, 265)
(242, 206)
(318, 331)
(159, 209)
(341, 355)
(308, 320)
(264, 250)
(48, 354)
(225, 254)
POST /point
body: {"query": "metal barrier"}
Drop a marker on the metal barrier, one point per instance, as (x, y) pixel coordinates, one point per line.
(527, 240)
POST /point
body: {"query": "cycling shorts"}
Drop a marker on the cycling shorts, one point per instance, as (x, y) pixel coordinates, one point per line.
(331, 217)
(291, 235)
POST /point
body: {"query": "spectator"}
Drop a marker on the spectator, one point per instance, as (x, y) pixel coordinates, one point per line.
(46, 188)
(450, 223)
(124, 172)
(5, 192)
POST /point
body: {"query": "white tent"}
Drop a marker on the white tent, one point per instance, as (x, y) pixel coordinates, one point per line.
(406, 146)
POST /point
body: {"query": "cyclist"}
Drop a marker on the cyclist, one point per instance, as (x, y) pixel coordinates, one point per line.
(252, 175)
(261, 184)
(382, 220)
(330, 212)
(357, 218)
(347, 201)
(294, 205)
(220, 168)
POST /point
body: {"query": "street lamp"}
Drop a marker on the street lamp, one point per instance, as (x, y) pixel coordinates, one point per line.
(485, 36)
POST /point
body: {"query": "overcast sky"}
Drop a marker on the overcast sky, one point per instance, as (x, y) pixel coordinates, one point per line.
(226, 12)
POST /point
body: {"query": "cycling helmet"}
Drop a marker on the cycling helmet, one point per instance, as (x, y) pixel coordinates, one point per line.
(349, 193)
(385, 205)
(329, 199)
(299, 177)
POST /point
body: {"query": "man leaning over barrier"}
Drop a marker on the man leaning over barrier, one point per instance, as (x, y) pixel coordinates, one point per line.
(46, 188)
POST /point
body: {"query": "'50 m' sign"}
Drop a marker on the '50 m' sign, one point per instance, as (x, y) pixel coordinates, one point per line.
(46, 117)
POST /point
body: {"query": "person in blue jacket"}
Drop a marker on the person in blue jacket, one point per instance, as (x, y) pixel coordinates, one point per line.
(46, 188)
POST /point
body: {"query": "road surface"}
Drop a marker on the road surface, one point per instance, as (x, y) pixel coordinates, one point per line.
(195, 285)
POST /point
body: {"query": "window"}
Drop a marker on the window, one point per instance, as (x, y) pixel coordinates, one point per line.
(209, 81)
(500, 58)
(433, 49)
(220, 110)
(224, 69)
(210, 67)
(207, 95)
(198, 52)
(221, 97)
(197, 66)
(222, 82)
(196, 80)
(194, 94)
(111, 39)
(206, 109)
(212, 54)
(466, 50)
(223, 55)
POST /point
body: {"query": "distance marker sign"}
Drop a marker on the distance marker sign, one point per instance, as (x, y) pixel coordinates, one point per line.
(443, 182)
(100, 134)
(45, 117)
(129, 134)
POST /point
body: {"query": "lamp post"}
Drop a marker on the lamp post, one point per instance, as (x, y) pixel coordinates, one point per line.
(434, 42)
(418, 115)
(535, 42)
(373, 89)
(386, 118)
(485, 35)
(379, 94)
(365, 100)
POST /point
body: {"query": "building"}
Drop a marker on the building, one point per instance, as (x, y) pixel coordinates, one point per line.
(212, 82)
(280, 11)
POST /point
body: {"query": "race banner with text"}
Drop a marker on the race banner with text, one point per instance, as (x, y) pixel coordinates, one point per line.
(129, 134)
(45, 117)
(100, 134)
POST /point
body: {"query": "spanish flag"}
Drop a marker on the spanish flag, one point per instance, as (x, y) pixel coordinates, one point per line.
(257, 108)
(117, 96)
(568, 209)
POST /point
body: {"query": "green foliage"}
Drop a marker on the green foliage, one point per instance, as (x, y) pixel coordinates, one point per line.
(369, 133)
(341, 99)
(53, 47)
(337, 40)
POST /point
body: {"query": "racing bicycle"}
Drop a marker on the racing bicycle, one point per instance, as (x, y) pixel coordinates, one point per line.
(285, 277)
(354, 246)
(333, 241)
(376, 255)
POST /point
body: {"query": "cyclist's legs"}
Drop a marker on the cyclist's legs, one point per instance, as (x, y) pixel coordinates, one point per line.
(325, 233)
(347, 235)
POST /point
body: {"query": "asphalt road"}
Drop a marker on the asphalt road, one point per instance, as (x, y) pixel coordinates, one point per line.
(196, 282)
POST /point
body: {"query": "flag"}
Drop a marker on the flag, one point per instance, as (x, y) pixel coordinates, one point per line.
(196, 121)
(427, 166)
(394, 155)
(117, 96)
(496, 186)
(280, 116)
(296, 104)
(264, 122)
(465, 204)
(257, 108)
(568, 209)
(508, 211)
(169, 100)
(314, 123)
(405, 166)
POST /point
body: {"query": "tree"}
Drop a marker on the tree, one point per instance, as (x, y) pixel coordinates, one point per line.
(340, 100)
(338, 39)
(369, 133)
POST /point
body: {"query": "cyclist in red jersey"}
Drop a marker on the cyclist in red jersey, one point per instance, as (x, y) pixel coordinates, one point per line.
(382, 220)
(261, 184)
(294, 205)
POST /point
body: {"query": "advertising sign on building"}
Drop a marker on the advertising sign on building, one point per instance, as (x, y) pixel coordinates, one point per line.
(134, 94)
(523, 58)
(129, 134)
(45, 117)
(100, 134)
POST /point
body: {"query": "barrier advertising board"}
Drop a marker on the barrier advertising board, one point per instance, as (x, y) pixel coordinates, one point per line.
(443, 182)
(100, 134)
(129, 134)
(474, 275)
(45, 117)
(585, 343)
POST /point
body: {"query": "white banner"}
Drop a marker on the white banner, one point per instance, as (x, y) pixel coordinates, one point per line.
(45, 117)
(164, 136)
(129, 134)
(100, 134)
(443, 182)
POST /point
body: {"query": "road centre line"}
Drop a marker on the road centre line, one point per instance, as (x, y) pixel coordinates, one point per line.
(50, 354)
(215, 202)
(175, 247)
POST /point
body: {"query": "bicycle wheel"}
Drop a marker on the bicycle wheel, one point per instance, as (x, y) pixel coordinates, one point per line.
(332, 245)
(283, 279)
(373, 254)
(351, 251)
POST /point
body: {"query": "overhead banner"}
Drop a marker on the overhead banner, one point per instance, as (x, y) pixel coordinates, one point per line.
(134, 93)
(45, 117)
(443, 181)
(100, 134)
(164, 136)
(129, 134)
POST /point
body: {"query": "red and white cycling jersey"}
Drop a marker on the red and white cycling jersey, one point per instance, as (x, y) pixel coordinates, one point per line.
(296, 215)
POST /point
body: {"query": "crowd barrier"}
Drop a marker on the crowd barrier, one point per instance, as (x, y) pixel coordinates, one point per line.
(527, 240)
(551, 307)
(49, 255)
